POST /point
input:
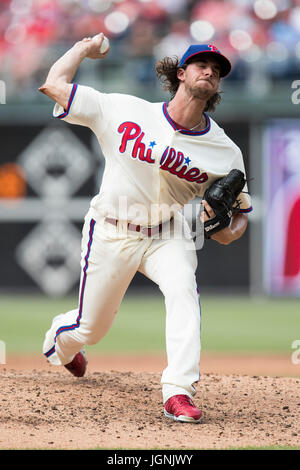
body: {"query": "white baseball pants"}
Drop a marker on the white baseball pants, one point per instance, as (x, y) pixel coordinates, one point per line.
(109, 261)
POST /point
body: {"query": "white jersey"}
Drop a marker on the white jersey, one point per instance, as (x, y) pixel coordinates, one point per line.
(151, 163)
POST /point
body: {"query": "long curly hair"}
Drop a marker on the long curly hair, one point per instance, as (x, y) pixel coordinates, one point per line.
(166, 71)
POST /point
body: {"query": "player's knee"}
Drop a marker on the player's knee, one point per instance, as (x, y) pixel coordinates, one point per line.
(92, 329)
(93, 336)
(92, 340)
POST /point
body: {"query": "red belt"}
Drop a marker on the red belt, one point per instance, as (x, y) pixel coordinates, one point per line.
(149, 231)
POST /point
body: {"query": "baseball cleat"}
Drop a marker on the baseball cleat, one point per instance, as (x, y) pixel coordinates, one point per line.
(181, 408)
(77, 366)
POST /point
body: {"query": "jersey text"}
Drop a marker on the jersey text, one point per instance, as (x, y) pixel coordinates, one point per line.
(171, 161)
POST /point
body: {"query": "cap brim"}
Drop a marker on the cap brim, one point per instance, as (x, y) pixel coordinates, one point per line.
(221, 59)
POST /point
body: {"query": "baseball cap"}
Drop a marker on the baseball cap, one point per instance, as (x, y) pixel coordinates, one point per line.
(196, 49)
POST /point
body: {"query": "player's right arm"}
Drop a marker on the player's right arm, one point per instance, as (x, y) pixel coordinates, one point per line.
(58, 84)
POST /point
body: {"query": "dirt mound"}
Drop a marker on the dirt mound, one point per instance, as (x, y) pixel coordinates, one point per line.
(44, 409)
(217, 363)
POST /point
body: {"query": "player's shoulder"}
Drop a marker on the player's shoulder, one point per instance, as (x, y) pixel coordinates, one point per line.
(124, 98)
(118, 98)
(220, 135)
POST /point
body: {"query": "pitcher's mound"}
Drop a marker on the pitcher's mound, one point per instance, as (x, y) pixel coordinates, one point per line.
(123, 410)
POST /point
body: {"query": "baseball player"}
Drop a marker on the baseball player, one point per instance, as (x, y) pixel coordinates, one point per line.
(158, 156)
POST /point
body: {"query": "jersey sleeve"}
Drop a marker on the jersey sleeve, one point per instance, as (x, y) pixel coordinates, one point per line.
(244, 197)
(86, 107)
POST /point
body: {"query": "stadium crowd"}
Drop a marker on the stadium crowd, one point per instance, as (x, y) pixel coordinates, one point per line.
(262, 34)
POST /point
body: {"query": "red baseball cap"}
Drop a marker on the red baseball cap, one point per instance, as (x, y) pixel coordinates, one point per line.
(207, 49)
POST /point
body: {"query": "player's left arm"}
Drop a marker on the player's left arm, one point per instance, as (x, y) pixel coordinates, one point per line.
(231, 233)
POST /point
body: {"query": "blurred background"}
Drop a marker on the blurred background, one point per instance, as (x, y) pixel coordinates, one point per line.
(49, 170)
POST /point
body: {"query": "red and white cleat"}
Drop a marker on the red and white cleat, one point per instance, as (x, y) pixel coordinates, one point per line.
(181, 408)
(77, 366)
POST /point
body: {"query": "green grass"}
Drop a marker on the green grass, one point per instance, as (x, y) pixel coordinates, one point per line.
(229, 325)
(250, 325)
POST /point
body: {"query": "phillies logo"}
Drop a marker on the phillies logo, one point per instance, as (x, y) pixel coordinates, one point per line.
(213, 48)
(171, 161)
(132, 131)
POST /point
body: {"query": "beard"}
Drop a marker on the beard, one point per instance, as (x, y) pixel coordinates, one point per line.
(199, 92)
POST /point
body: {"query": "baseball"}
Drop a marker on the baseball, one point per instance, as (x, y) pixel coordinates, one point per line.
(105, 44)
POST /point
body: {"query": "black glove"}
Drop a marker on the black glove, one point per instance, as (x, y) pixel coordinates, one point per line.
(222, 198)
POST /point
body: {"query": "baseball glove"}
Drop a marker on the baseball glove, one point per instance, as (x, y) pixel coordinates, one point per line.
(222, 198)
